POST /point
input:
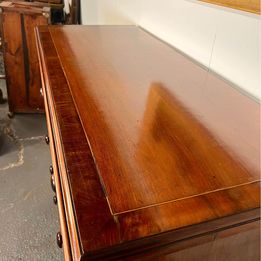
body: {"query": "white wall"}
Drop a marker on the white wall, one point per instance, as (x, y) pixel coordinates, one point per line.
(227, 41)
(110, 12)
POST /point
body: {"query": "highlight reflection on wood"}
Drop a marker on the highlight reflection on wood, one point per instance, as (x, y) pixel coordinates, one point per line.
(172, 135)
(252, 6)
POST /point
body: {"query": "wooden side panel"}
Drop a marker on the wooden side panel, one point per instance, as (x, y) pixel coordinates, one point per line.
(14, 61)
(35, 99)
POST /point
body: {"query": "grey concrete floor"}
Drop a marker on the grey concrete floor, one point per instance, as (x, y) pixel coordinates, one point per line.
(28, 217)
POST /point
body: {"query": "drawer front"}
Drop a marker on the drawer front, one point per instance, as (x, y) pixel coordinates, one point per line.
(58, 190)
(62, 236)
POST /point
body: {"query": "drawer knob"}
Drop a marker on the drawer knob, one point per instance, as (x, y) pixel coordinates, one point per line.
(47, 140)
(59, 240)
(51, 169)
(52, 183)
(55, 199)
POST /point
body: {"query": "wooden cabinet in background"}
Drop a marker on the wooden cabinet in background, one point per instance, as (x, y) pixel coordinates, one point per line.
(20, 55)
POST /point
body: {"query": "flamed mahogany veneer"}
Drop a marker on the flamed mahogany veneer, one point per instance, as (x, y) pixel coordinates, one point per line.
(154, 157)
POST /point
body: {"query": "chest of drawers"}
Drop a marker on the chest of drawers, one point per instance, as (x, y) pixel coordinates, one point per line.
(152, 156)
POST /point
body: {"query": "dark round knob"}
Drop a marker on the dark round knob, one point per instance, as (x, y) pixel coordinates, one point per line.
(52, 183)
(55, 199)
(59, 240)
(47, 140)
(51, 169)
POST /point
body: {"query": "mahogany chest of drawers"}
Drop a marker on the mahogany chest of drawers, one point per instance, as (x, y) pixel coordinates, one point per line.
(154, 157)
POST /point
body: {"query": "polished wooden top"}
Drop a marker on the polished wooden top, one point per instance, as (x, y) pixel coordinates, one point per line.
(155, 121)
(172, 144)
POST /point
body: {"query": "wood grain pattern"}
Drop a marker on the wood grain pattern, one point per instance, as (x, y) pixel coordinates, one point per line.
(20, 55)
(149, 157)
(14, 60)
(252, 6)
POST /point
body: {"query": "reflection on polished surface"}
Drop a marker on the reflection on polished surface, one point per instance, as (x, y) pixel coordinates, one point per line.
(180, 155)
(180, 136)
